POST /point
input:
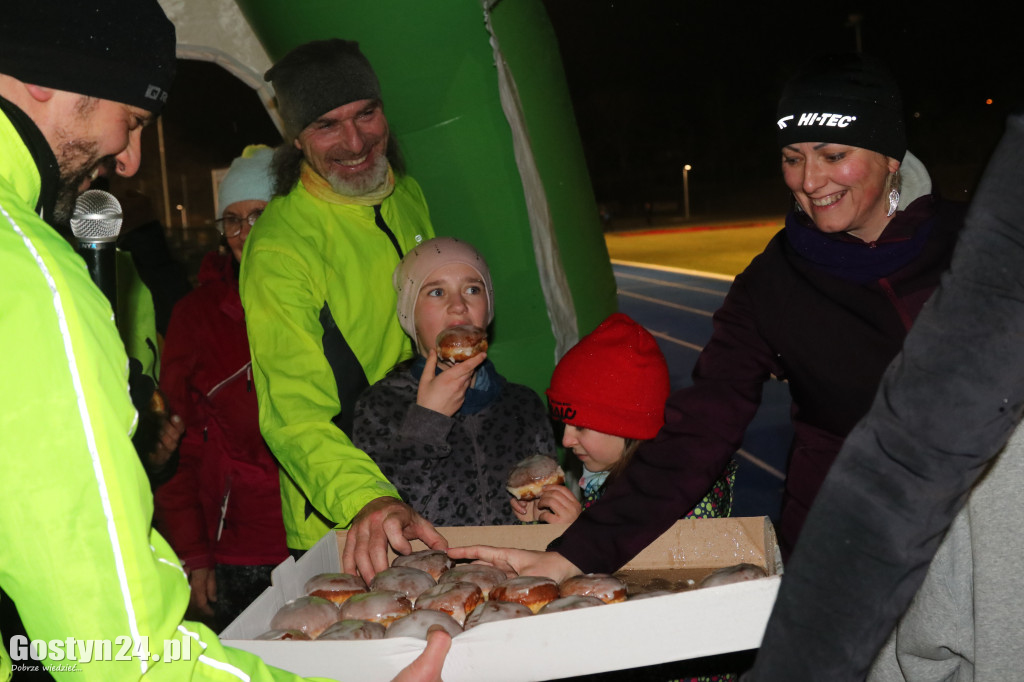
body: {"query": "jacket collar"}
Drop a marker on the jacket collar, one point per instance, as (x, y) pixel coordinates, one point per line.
(43, 194)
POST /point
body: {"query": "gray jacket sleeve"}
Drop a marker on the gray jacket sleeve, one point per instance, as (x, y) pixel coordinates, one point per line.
(390, 426)
(945, 408)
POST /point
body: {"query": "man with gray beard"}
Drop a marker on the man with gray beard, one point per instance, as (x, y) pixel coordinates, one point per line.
(319, 305)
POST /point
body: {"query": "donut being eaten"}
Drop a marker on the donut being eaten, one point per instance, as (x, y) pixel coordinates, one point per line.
(460, 343)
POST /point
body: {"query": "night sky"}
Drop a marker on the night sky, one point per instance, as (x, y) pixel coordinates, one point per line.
(660, 83)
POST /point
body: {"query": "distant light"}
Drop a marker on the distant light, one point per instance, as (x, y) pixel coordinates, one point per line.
(988, 101)
(917, 114)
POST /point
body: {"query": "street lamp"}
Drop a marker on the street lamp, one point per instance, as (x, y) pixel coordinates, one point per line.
(184, 216)
(686, 190)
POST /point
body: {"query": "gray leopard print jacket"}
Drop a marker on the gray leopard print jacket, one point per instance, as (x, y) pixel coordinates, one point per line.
(452, 470)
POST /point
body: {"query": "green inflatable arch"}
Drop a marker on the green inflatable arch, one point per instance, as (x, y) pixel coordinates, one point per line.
(476, 97)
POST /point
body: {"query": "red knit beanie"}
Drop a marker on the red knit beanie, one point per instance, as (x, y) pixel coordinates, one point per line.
(615, 380)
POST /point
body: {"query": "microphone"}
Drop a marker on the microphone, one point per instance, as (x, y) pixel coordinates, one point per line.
(96, 222)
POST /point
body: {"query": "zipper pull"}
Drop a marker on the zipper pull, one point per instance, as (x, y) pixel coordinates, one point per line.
(223, 513)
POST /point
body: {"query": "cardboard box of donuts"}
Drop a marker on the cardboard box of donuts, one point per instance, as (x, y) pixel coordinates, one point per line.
(680, 623)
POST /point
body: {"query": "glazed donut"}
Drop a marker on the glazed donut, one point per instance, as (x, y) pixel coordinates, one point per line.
(337, 587)
(460, 343)
(607, 588)
(570, 603)
(532, 592)
(351, 629)
(283, 635)
(484, 577)
(733, 574)
(380, 607)
(527, 479)
(493, 611)
(417, 623)
(409, 581)
(309, 615)
(457, 599)
(433, 561)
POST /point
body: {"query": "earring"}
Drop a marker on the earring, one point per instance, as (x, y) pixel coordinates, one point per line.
(894, 201)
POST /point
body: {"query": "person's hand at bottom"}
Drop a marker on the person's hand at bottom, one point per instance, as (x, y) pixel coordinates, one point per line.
(381, 522)
(427, 666)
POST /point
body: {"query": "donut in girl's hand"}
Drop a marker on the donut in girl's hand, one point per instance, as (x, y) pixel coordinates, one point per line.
(528, 477)
(460, 343)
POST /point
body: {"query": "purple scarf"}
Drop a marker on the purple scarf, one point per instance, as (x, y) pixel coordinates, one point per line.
(856, 261)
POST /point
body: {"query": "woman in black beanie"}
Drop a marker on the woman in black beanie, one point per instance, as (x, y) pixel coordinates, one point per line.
(825, 307)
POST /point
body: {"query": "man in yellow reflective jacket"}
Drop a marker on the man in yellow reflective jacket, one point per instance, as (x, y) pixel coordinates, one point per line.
(100, 593)
(319, 304)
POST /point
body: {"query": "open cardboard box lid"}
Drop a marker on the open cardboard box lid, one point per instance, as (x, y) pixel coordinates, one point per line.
(632, 634)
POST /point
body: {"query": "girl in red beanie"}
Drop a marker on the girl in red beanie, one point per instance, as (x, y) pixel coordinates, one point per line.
(610, 391)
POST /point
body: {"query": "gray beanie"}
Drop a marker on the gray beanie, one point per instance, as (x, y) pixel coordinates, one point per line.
(249, 177)
(845, 99)
(318, 77)
(427, 257)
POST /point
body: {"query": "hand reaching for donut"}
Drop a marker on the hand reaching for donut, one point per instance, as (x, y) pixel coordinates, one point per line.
(556, 504)
(382, 522)
(445, 392)
(518, 561)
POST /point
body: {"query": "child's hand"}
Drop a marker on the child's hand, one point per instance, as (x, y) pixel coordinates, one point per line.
(446, 391)
(556, 504)
(524, 511)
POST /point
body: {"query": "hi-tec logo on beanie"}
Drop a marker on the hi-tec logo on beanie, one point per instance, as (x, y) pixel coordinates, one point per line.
(118, 50)
(318, 77)
(844, 99)
(812, 119)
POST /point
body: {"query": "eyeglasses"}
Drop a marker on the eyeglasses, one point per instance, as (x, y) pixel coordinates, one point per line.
(231, 225)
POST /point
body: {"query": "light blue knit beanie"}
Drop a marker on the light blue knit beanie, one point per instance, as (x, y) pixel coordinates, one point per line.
(249, 177)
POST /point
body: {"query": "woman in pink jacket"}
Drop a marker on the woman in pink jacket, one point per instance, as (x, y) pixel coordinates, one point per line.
(222, 510)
